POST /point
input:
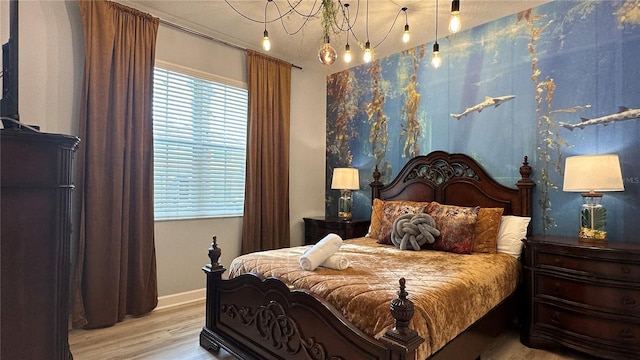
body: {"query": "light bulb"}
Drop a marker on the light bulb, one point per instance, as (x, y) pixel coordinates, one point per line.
(347, 54)
(367, 52)
(266, 44)
(454, 23)
(327, 54)
(405, 35)
(436, 61)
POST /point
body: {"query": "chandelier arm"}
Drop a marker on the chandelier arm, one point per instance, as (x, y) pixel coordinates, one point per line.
(358, 41)
(436, 21)
(388, 32)
(346, 17)
(266, 6)
(312, 13)
(297, 30)
(281, 17)
(366, 23)
(293, 9)
(261, 21)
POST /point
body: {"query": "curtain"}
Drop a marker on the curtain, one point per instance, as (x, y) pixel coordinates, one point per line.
(115, 274)
(266, 206)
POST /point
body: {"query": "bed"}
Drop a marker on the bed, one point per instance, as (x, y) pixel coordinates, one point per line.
(270, 309)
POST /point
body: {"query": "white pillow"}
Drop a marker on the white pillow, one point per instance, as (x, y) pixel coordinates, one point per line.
(512, 230)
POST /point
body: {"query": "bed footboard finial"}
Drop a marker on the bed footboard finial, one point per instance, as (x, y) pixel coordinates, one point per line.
(214, 252)
(401, 336)
(402, 308)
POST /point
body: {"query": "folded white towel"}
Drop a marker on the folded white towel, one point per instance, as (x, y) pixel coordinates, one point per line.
(318, 253)
(336, 261)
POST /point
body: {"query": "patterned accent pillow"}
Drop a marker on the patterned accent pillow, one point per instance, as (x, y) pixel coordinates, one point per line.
(487, 227)
(391, 210)
(377, 218)
(457, 225)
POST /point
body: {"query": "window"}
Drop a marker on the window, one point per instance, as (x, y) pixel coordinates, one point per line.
(199, 139)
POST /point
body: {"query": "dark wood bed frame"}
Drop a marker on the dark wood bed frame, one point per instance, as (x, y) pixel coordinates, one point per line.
(256, 318)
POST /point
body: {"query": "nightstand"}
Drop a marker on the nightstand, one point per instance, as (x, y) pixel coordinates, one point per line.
(316, 228)
(582, 296)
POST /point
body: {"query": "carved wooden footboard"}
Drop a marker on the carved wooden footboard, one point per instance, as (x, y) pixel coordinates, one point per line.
(256, 318)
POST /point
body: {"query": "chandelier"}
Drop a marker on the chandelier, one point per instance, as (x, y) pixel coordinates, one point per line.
(337, 20)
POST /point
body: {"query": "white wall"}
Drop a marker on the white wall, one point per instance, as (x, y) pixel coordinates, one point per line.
(51, 70)
(51, 53)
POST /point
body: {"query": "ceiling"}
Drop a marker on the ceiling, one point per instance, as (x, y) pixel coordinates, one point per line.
(217, 19)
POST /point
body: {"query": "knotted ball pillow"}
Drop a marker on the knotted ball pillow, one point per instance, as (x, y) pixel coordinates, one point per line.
(411, 231)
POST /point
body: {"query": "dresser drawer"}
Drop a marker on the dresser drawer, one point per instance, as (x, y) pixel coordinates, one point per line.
(588, 266)
(605, 298)
(599, 330)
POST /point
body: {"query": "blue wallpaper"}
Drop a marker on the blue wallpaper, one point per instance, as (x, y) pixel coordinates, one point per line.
(513, 87)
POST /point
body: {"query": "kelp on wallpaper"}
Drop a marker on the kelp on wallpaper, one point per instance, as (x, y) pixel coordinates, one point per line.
(550, 82)
(411, 126)
(550, 143)
(357, 105)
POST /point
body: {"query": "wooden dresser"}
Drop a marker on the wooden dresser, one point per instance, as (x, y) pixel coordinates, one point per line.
(582, 296)
(35, 235)
(316, 228)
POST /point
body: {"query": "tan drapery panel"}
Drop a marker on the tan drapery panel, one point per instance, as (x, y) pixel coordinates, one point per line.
(266, 204)
(116, 264)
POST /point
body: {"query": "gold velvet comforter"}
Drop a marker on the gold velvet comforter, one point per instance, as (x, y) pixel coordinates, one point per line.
(450, 291)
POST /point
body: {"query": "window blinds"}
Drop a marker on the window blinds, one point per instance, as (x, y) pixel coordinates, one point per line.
(199, 132)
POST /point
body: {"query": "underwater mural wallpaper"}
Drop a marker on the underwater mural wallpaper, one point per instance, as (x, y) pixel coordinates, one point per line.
(558, 80)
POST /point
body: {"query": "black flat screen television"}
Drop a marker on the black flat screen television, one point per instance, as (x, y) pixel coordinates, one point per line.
(9, 101)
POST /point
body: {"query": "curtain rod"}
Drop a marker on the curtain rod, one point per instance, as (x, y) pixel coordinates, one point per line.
(205, 36)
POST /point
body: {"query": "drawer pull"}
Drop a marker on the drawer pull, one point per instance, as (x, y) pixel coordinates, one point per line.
(555, 318)
(627, 300)
(625, 270)
(557, 261)
(626, 334)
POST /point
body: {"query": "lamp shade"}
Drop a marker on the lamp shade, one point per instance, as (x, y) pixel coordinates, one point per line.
(593, 173)
(345, 179)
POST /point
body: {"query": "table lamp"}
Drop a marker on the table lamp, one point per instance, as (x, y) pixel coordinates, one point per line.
(591, 174)
(345, 180)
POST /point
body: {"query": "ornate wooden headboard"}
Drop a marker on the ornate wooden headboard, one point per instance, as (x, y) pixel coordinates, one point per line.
(455, 179)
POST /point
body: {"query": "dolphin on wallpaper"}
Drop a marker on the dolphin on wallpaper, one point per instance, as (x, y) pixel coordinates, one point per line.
(488, 101)
(623, 114)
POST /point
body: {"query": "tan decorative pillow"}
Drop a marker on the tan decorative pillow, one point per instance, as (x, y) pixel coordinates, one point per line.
(391, 210)
(457, 225)
(487, 227)
(377, 218)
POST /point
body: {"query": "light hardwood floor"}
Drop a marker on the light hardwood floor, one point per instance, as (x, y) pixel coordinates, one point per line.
(172, 334)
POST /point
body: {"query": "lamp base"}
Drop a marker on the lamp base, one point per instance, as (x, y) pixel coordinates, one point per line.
(595, 234)
(345, 205)
(593, 217)
(344, 216)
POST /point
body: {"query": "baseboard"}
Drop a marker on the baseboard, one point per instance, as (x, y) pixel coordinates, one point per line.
(181, 298)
